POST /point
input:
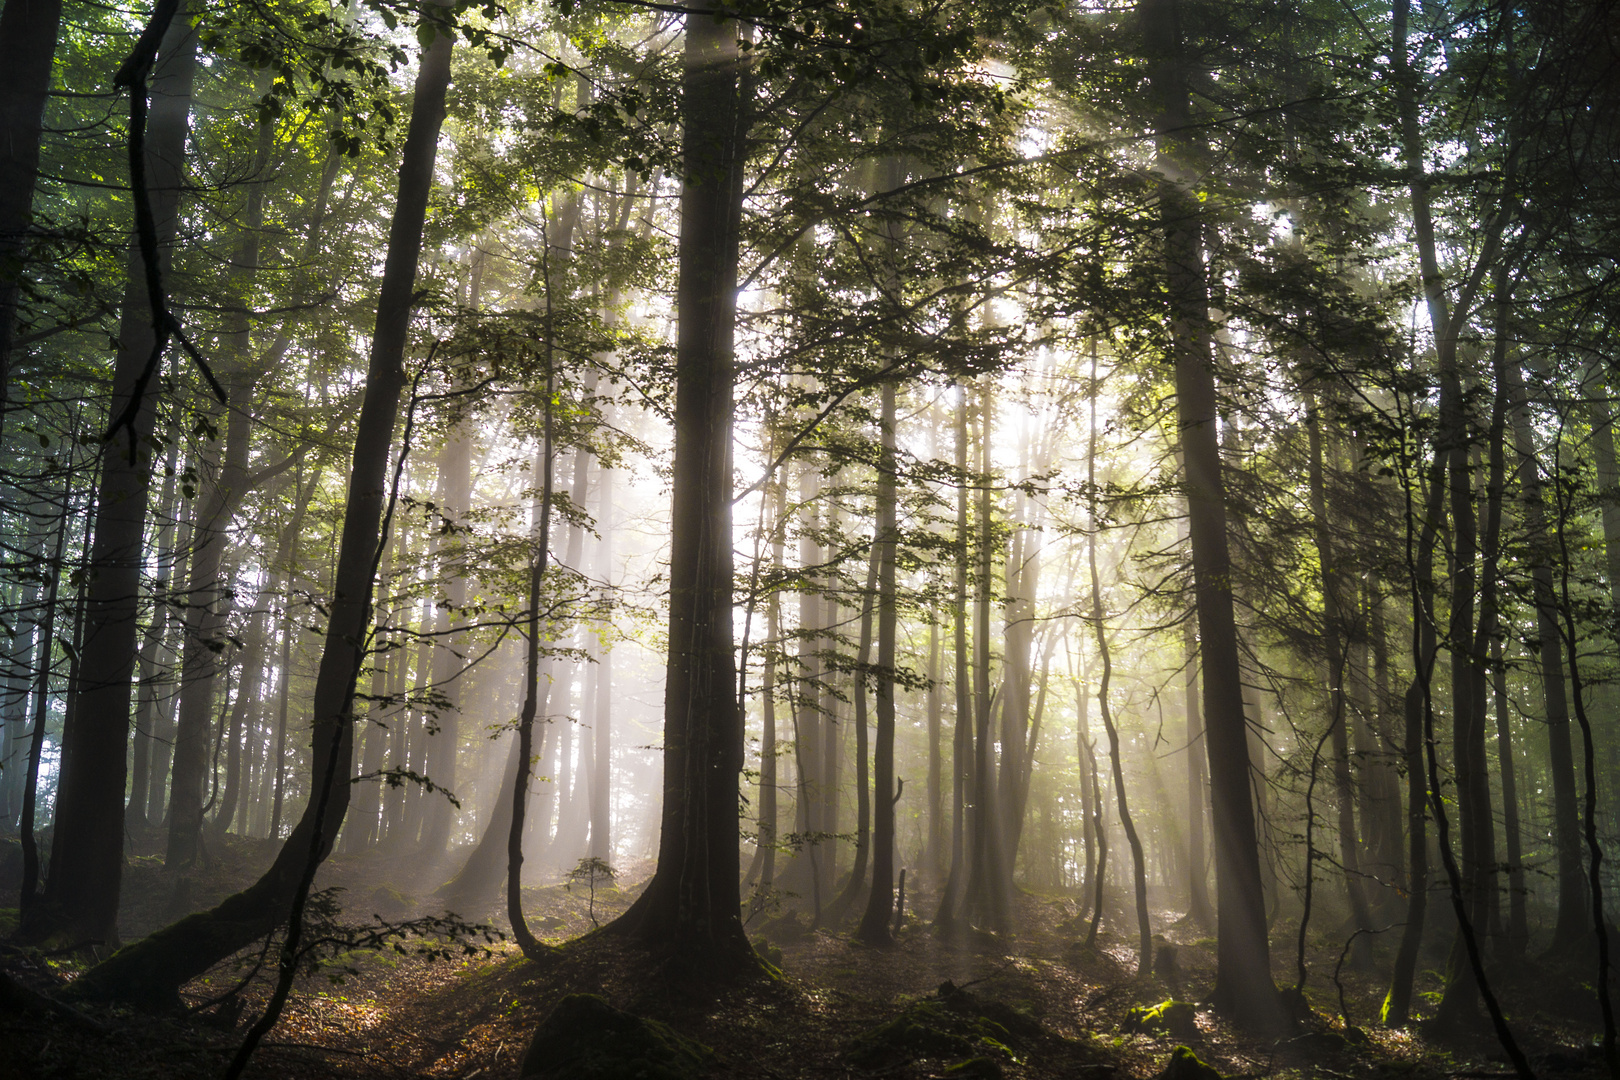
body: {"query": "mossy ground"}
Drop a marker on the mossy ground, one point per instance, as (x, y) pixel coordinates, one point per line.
(1036, 1005)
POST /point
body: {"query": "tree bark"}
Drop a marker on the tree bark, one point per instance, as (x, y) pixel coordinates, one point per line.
(874, 928)
(1243, 984)
(28, 33)
(690, 906)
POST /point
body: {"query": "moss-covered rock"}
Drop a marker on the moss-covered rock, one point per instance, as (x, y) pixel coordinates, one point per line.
(925, 1029)
(585, 1038)
(955, 1024)
(1186, 1065)
(1018, 1020)
(1178, 1019)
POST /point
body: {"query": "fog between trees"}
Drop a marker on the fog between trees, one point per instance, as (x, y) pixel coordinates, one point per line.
(1157, 454)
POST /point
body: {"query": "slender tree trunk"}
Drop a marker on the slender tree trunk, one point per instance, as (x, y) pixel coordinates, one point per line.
(989, 891)
(1333, 638)
(152, 971)
(602, 722)
(532, 949)
(247, 698)
(768, 780)
(856, 886)
(874, 928)
(444, 747)
(1518, 927)
(1573, 921)
(28, 897)
(210, 598)
(802, 874)
(1099, 623)
(1199, 908)
(962, 749)
(135, 813)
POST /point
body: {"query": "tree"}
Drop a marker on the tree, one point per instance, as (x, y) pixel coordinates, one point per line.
(691, 904)
(1243, 984)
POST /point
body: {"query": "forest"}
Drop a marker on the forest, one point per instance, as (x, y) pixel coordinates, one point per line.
(809, 538)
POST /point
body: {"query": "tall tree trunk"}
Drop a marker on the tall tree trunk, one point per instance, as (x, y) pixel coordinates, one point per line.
(989, 890)
(802, 874)
(1099, 623)
(856, 886)
(532, 949)
(1243, 983)
(141, 775)
(151, 971)
(1573, 921)
(962, 751)
(691, 904)
(1518, 926)
(87, 854)
(1199, 908)
(444, 747)
(874, 928)
(767, 814)
(28, 898)
(602, 721)
(209, 598)
(1333, 638)
(28, 32)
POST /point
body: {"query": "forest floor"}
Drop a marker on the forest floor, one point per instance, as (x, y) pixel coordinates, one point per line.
(1037, 1004)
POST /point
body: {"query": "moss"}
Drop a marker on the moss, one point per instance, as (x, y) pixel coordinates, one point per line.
(1178, 1019)
(1186, 1065)
(585, 1038)
(955, 1025)
(923, 1030)
(1017, 1020)
(768, 952)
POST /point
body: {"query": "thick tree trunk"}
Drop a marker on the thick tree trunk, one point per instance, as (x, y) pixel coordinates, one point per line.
(81, 895)
(691, 904)
(28, 31)
(151, 971)
(1243, 983)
